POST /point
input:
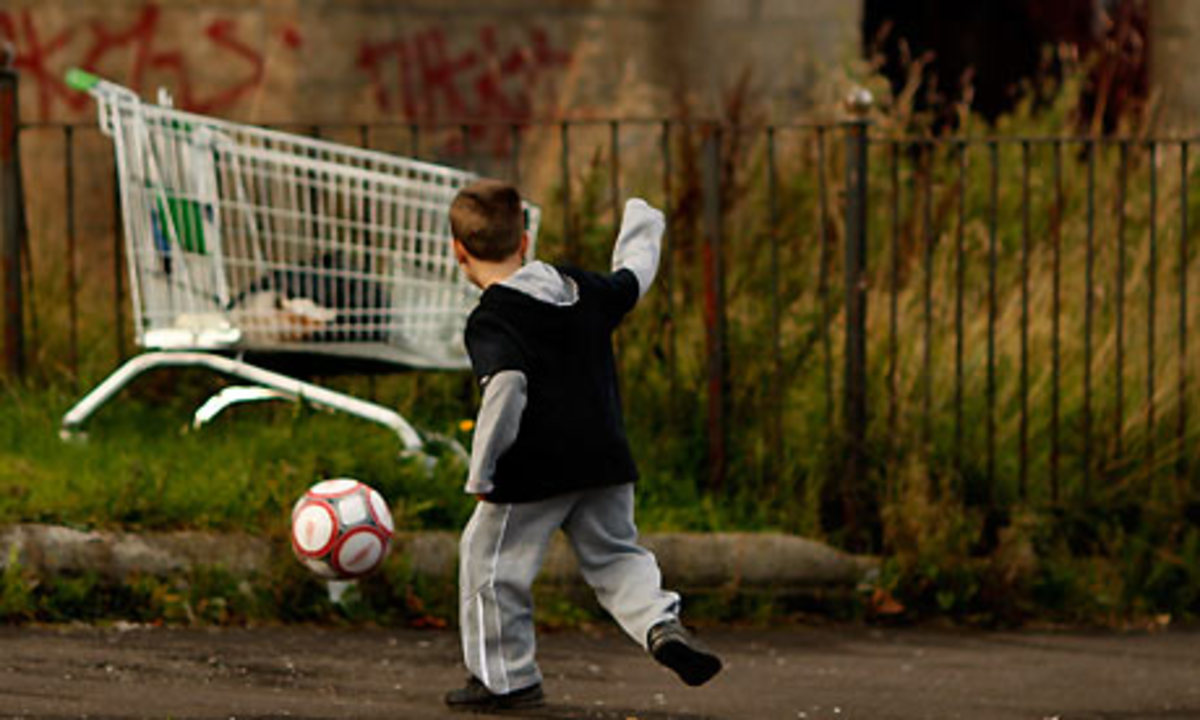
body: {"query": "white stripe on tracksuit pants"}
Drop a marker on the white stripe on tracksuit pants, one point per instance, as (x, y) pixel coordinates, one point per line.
(502, 550)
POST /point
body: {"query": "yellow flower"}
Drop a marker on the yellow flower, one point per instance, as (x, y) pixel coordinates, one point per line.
(466, 425)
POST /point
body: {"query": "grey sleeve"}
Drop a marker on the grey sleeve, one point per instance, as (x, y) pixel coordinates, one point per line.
(504, 397)
(639, 243)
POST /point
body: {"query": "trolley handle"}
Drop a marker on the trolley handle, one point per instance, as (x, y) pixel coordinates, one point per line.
(84, 81)
(103, 91)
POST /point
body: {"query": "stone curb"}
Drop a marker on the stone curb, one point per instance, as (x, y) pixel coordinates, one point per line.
(689, 560)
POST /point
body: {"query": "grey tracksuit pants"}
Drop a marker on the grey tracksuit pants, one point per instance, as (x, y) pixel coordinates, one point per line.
(501, 552)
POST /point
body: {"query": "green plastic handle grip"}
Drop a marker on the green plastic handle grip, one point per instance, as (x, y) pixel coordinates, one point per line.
(81, 79)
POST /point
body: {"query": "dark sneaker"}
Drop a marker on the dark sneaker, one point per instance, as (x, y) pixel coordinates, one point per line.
(672, 645)
(477, 698)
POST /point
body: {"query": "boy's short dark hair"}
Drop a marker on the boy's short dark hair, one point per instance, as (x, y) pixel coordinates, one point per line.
(487, 218)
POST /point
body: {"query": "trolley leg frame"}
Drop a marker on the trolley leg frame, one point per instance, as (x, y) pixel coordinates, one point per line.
(227, 397)
(281, 385)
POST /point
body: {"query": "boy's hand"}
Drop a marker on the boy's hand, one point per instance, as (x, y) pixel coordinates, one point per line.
(480, 497)
(639, 242)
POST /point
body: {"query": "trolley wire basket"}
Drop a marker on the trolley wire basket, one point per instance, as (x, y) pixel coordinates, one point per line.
(242, 240)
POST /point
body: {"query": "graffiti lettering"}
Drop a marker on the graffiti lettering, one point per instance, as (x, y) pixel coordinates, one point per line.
(428, 76)
(422, 79)
(138, 44)
(33, 57)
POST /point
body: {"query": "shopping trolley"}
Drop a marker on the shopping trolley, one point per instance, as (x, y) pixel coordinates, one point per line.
(244, 242)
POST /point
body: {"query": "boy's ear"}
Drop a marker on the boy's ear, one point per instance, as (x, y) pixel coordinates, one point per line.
(524, 245)
(460, 252)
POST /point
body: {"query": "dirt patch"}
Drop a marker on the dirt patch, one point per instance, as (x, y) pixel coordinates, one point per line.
(803, 673)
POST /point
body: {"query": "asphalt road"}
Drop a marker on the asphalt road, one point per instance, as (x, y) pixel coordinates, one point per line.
(795, 672)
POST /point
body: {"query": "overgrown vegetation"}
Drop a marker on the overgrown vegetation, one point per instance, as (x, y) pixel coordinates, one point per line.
(1103, 532)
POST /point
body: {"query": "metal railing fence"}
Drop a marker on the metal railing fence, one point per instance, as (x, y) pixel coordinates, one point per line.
(1010, 314)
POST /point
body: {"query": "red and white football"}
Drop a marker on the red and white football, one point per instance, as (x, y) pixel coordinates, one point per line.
(341, 529)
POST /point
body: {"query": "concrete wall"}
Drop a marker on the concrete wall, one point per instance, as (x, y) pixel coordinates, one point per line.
(1175, 53)
(325, 61)
(321, 61)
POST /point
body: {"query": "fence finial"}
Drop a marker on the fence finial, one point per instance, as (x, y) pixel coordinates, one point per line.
(859, 101)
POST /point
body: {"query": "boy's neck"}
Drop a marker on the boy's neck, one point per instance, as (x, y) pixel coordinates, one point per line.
(490, 273)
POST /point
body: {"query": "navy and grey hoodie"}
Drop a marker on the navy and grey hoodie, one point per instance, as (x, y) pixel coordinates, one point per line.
(541, 347)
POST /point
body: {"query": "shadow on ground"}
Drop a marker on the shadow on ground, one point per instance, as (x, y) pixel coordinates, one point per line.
(575, 712)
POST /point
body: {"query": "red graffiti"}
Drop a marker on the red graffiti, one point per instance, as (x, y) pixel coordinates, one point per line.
(221, 34)
(291, 37)
(33, 55)
(139, 45)
(422, 77)
(432, 83)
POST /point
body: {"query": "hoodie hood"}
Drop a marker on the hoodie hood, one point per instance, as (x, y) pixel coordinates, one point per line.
(544, 283)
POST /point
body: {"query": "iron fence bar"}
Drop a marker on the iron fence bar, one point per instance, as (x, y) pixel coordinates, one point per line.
(927, 162)
(697, 122)
(994, 167)
(718, 395)
(894, 314)
(1122, 181)
(322, 226)
(477, 124)
(464, 131)
(669, 267)
(1023, 447)
(1088, 312)
(369, 209)
(364, 141)
(691, 122)
(825, 259)
(565, 160)
(32, 339)
(614, 180)
(1151, 300)
(614, 156)
(546, 121)
(11, 255)
(118, 268)
(1056, 322)
(1034, 140)
(959, 288)
(72, 257)
(855, 384)
(60, 124)
(316, 225)
(775, 394)
(514, 158)
(1181, 466)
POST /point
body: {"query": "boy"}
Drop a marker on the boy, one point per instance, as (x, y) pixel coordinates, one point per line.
(549, 450)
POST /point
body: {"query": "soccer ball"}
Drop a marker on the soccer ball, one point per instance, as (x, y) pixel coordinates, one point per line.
(341, 529)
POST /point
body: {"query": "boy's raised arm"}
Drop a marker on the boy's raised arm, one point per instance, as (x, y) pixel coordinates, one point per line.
(639, 243)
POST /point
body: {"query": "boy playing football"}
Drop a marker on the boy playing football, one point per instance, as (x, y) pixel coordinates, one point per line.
(549, 450)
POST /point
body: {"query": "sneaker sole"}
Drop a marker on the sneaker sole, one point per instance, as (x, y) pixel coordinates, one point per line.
(694, 667)
(497, 707)
(494, 706)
